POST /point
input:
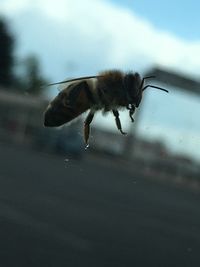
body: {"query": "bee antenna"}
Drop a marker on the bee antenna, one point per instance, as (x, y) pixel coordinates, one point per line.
(156, 87)
(147, 77)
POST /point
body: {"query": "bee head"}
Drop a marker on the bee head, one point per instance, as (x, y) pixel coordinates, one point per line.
(133, 84)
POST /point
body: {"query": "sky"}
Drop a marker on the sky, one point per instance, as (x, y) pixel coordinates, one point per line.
(180, 17)
(73, 38)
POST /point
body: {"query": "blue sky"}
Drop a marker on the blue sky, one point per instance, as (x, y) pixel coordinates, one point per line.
(75, 38)
(179, 17)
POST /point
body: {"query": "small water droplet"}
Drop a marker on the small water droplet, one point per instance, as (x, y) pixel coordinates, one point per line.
(66, 160)
(86, 147)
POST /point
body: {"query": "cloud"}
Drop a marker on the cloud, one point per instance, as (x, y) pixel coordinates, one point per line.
(11, 7)
(94, 34)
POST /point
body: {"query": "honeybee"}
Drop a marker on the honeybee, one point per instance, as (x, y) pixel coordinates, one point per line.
(108, 91)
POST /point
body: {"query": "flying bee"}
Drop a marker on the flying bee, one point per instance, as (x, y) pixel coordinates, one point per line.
(108, 91)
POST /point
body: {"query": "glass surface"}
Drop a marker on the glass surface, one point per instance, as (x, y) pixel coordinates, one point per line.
(120, 200)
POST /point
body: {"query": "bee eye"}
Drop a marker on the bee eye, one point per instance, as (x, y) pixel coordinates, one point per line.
(131, 84)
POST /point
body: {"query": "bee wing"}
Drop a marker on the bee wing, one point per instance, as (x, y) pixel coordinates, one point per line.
(67, 82)
(67, 106)
(63, 85)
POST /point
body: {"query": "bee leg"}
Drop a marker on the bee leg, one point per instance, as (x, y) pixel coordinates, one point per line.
(87, 122)
(117, 120)
(131, 112)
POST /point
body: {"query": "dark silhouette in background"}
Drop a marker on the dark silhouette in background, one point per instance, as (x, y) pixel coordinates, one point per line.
(6, 54)
(31, 80)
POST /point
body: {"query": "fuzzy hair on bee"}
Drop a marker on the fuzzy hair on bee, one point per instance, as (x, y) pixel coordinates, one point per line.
(108, 91)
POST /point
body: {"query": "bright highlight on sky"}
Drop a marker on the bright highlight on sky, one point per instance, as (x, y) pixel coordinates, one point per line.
(75, 37)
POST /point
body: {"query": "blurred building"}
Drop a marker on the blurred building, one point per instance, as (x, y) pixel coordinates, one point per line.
(21, 123)
(152, 158)
(178, 81)
(20, 116)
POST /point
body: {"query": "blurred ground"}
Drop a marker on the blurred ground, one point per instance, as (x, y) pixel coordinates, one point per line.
(94, 212)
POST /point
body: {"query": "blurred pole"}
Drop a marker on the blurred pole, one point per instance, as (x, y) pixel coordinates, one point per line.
(131, 138)
(22, 124)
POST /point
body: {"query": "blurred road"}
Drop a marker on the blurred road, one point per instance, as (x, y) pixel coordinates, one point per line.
(91, 213)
